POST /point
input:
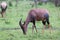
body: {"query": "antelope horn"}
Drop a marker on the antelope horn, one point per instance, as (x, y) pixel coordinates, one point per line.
(21, 25)
(20, 22)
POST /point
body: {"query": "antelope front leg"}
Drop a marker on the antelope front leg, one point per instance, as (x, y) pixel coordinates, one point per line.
(35, 28)
(32, 29)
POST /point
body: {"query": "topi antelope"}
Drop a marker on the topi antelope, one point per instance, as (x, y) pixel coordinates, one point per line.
(3, 8)
(33, 16)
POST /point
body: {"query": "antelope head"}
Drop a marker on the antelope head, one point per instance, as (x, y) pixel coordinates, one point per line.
(22, 26)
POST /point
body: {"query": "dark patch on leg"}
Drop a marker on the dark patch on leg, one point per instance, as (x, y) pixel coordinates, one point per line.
(48, 21)
(44, 22)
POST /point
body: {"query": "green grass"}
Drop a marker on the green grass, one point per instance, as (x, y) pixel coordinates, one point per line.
(14, 14)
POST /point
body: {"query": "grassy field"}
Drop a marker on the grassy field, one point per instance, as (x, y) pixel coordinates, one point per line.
(14, 14)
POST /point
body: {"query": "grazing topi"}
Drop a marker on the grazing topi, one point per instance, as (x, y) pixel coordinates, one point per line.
(38, 14)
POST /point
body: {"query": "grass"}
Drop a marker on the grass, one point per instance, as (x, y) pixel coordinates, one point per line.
(14, 14)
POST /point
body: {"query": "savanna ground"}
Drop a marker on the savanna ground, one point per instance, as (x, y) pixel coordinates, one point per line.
(14, 14)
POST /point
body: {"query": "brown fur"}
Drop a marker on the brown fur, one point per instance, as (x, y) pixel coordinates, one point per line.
(34, 15)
